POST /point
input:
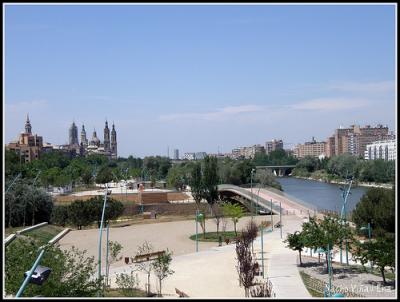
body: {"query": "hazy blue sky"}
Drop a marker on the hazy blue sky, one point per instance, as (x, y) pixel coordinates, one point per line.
(198, 77)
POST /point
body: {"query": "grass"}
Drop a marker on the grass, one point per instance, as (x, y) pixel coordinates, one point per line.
(44, 234)
(117, 292)
(213, 237)
(312, 291)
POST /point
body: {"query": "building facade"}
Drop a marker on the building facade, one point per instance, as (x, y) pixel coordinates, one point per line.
(273, 145)
(313, 148)
(353, 140)
(176, 154)
(94, 146)
(385, 150)
(28, 146)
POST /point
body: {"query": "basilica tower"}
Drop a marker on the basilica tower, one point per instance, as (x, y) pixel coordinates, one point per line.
(113, 142)
(73, 135)
(106, 138)
(84, 140)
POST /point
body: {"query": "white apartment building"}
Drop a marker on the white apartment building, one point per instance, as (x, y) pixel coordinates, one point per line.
(385, 149)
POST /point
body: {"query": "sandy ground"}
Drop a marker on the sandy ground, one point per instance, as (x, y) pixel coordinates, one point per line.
(172, 235)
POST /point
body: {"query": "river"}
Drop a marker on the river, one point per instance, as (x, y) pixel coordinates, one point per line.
(322, 195)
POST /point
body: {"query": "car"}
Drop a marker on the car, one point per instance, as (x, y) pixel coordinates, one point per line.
(40, 275)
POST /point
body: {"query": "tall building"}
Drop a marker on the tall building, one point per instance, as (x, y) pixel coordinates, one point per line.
(113, 142)
(84, 140)
(273, 145)
(354, 140)
(73, 135)
(106, 137)
(313, 148)
(176, 154)
(28, 146)
(94, 146)
(381, 150)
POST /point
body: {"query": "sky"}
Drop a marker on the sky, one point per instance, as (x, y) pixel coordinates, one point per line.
(198, 77)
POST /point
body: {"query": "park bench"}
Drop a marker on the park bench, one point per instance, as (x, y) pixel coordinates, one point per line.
(148, 257)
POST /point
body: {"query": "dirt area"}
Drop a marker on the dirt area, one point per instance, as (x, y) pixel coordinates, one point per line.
(130, 197)
(349, 279)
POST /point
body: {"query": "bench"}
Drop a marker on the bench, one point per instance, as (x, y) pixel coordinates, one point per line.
(148, 257)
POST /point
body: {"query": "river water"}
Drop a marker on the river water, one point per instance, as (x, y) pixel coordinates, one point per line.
(324, 196)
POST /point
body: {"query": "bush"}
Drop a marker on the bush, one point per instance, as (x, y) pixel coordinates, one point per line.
(59, 215)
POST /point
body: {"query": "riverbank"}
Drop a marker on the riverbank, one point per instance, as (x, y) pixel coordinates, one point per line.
(355, 183)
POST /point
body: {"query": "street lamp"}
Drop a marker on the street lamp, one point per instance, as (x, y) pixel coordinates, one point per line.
(345, 195)
(101, 229)
(369, 236)
(251, 190)
(199, 217)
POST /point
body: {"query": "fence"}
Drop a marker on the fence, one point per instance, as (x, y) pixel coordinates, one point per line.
(319, 285)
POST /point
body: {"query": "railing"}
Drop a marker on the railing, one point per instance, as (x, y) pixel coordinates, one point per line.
(264, 203)
(319, 285)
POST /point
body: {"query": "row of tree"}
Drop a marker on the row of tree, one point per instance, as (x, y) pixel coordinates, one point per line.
(345, 166)
(376, 208)
(83, 213)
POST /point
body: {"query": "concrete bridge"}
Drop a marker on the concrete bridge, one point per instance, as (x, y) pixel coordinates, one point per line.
(278, 170)
(247, 198)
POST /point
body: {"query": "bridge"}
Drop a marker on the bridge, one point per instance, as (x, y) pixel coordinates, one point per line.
(247, 198)
(278, 170)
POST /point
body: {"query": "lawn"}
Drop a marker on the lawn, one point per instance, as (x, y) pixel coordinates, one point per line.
(45, 233)
(213, 237)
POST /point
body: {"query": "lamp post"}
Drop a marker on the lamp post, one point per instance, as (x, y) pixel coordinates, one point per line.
(19, 174)
(198, 217)
(28, 277)
(107, 271)
(272, 221)
(101, 230)
(251, 190)
(369, 237)
(345, 195)
(262, 249)
(280, 217)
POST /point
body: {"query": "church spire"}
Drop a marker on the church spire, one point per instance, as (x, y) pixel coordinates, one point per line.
(28, 127)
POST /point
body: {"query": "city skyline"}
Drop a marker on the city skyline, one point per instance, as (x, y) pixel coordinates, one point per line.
(199, 78)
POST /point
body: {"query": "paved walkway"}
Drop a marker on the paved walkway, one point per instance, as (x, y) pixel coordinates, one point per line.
(212, 273)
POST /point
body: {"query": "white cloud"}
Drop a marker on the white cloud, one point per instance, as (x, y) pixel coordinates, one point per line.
(331, 104)
(214, 115)
(365, 88)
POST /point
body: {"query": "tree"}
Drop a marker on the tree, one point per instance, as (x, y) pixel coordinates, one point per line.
(115, 249)
(80, 213)
(197, 191)
(295, 242)
(146, 266)
(218, 215)
(266, 178)
(381, 252)
(246, 267)
(235, 211)
(377, 207)
(59, 215)
(24, 202)
(104, 176)
(113, 210)
(161, 268)
(330, 231)
(127, 283)
(71, 275)
(210, 180)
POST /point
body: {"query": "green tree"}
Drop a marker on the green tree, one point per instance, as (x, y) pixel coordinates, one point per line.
(59, 215)
(381, 252)
(71, 271)
(80, 213)
(295, 242)
(127, 283)
(104, 176)
(377, 207)
(210, 180)
(161, 267)
(115, 249)
(234, 211)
